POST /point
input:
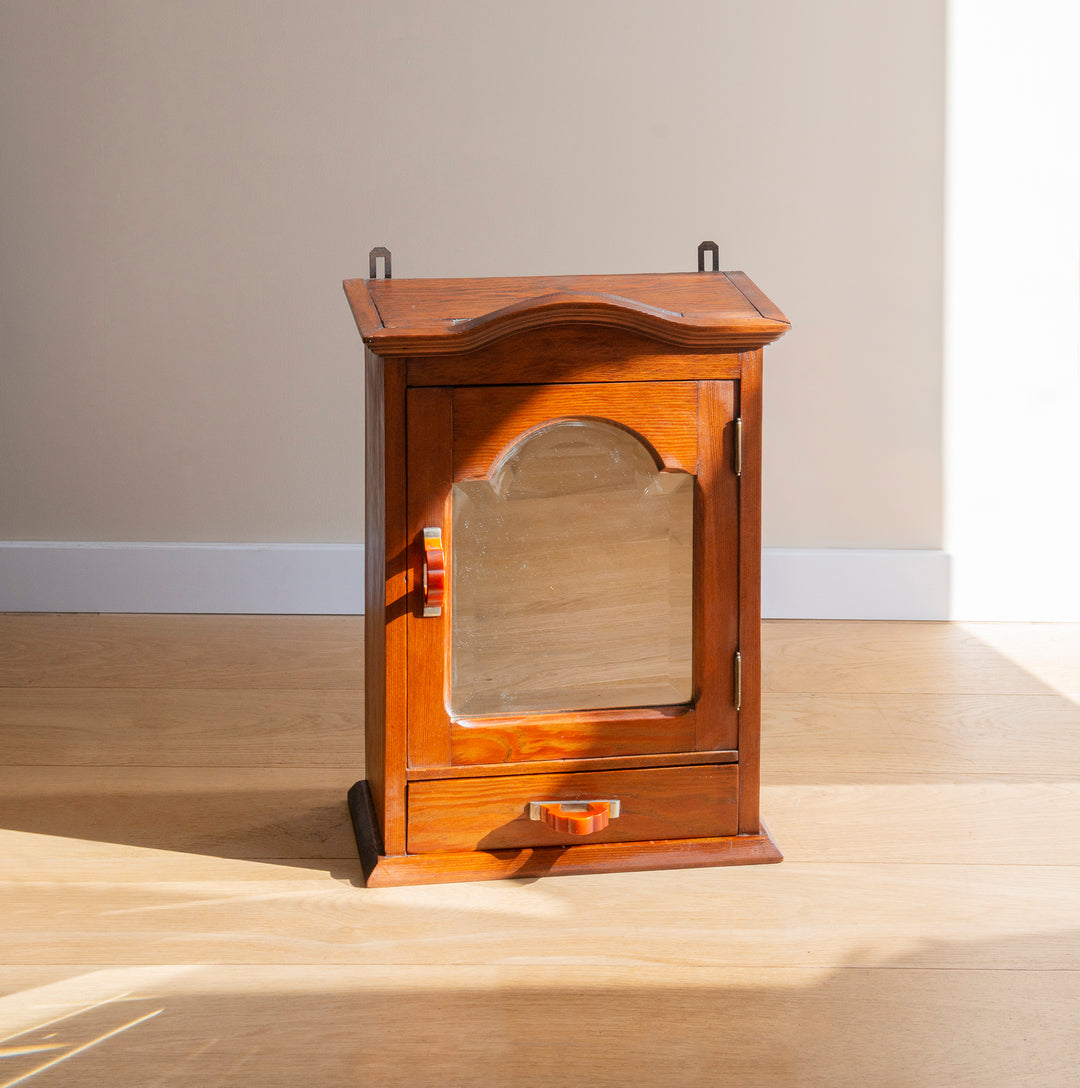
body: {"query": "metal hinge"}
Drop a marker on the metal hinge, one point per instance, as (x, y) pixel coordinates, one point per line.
(738, 446)
(738, 680)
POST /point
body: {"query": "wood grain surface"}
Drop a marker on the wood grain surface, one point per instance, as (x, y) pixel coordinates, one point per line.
(386, 574)
(489, 419)
(427, 487)
(909, 658)
(572, 736)
(219, 1025)
(933, 915)
(576, 354)
(749, 410)
(441, 316)
(922, 931)
(716, 526)
(491, 814)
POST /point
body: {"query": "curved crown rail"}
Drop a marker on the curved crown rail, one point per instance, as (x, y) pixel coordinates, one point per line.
(700, 331)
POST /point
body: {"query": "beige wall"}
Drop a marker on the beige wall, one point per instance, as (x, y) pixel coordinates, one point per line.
(184, 186)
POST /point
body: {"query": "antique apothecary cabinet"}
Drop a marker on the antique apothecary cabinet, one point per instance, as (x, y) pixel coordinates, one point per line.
(563, 559)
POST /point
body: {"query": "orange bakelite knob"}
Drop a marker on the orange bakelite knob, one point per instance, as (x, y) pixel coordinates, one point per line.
(434, 572)
(594, 817)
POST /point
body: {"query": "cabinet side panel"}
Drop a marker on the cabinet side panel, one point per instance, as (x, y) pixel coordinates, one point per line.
(384, 621)
(750, 593)
(374, 583)
(716, 577)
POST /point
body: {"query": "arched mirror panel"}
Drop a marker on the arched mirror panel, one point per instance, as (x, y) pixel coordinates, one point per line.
(572, 577)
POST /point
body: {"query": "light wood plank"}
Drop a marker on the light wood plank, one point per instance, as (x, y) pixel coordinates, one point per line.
(876, 656)
(181, 728)
(810, 737)
(794, 914)
(1050, 651)
(276, 814)
(260, 652)
(29, 858)
(258, 812)
(648, 1025)
(988, 734)
(174, 794)
(963, 820)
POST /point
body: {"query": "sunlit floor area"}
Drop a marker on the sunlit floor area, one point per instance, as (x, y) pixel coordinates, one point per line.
(181, 903)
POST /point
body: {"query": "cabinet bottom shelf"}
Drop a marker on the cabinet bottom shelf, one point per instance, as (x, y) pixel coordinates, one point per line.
(382, 870)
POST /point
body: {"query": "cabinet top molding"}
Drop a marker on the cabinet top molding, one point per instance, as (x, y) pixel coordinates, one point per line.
(698, 310)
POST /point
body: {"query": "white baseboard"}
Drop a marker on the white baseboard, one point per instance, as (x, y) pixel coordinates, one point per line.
(48, 576)
(854, 584)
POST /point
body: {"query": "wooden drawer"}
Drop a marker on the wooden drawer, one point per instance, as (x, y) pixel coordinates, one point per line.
(492, 813)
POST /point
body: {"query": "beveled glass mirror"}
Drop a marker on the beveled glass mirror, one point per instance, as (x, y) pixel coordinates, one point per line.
(572, 577)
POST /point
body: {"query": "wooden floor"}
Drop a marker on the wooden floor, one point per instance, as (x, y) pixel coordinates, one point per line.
(179, 902)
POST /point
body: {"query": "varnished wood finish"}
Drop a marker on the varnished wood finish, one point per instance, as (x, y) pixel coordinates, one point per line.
(376, 583)
(755, 296)
(933, 942)
(489, 419)
(582, 860)
(750, 592)
(716, 615)
(670, 358)
(582, 763)
(423, 303)
(568, 355)
(386, 559)
(700, 311)
(490, 813)
(573, 735)
(478, 425)
(365, 312)
(428, 486)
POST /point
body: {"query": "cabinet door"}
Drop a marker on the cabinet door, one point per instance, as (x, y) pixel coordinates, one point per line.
(591, 606)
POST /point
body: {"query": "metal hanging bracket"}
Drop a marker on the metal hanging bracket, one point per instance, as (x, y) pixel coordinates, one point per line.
(706, 247)
(373, 263)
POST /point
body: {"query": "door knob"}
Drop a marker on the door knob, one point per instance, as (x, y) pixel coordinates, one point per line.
(434, 575)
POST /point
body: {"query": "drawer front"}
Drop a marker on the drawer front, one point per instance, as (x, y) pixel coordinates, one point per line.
(493, 813)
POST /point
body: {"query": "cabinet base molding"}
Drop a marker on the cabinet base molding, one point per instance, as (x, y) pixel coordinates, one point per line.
(382, 870)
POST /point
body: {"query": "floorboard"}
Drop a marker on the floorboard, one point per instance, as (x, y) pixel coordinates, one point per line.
(180, 900)
(698, 1026)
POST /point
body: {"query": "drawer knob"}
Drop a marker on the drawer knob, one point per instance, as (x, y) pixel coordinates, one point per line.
(575, 817)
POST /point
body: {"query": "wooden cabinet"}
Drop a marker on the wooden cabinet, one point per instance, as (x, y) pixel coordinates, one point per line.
(563, 553)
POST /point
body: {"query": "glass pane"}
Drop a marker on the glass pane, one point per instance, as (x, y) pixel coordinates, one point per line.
(571, 577)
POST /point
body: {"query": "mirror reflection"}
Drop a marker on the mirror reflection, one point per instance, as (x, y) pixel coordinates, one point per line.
(572, 577)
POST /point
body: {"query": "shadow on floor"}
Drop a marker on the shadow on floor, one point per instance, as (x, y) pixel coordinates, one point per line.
(892, 1026)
